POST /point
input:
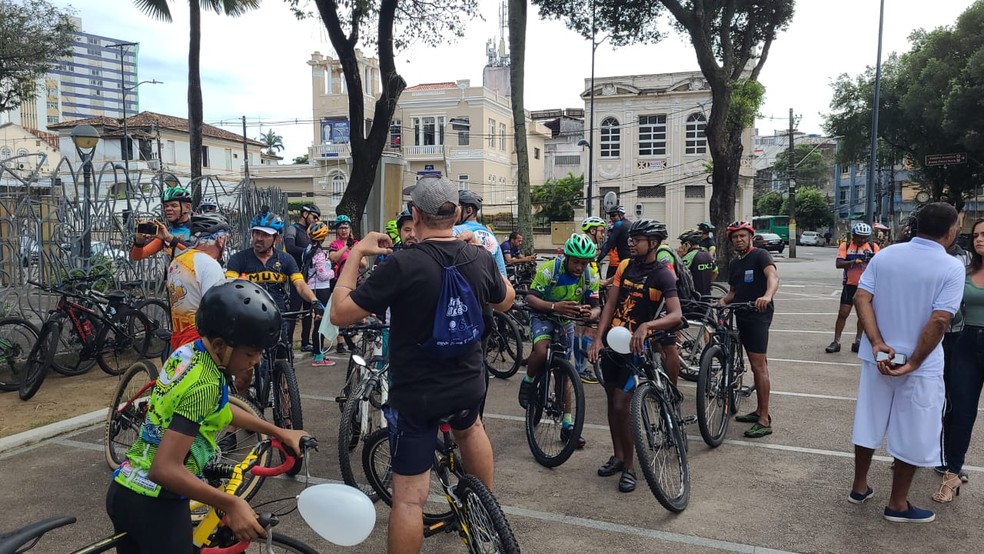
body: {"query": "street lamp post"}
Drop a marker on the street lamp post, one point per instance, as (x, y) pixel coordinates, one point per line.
(594, 46)
(86, 138)
(869, 205)
(587, 201)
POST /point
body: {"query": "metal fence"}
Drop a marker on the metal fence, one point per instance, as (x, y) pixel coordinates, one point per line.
(43, 220)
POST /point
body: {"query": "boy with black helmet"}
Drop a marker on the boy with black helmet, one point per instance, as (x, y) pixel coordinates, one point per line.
(189, 406)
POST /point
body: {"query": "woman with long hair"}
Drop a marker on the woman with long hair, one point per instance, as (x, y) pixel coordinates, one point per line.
(965, 376)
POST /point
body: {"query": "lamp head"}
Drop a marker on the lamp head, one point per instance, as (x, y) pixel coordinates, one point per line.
(584, 142)
(85, 138)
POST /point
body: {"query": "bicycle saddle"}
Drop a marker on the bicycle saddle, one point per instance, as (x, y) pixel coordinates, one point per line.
(11, 542)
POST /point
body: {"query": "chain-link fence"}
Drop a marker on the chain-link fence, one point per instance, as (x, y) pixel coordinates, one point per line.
(44, 218)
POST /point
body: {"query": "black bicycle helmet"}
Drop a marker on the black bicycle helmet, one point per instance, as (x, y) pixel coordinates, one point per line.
(404, 216)
(311, 208)
(616, 210)
(241, 313)
(648, 228)
(467, 197)
(704, 227)
(206, 224)
(691, 236)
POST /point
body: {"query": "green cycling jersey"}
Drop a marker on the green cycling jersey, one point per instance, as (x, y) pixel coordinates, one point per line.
(553, 284)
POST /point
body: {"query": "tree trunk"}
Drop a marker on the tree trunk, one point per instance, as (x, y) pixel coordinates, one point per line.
(517, 71)
(195, 108)
(726, 149)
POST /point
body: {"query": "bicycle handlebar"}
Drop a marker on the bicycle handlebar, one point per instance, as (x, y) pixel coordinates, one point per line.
(265, 520)
(289, 457)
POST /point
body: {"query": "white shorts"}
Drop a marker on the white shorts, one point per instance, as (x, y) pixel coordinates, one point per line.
(908, 409)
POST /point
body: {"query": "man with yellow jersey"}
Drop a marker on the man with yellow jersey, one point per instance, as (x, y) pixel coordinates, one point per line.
(194, 271)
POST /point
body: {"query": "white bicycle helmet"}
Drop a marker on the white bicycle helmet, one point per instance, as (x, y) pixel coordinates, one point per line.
(592, 221)
(861, 229)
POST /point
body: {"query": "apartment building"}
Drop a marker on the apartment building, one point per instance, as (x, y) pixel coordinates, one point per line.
(649, 147)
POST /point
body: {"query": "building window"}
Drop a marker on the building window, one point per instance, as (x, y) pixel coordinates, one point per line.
(52, 119)
(696, 139)
(694, 191)
(22, 152)
(536, 153)
(5, 152)
(652, 191)
(462, 182)
(338, 185)
(491, 133)
(611, 138)
(652, 135)
(204, 156)
(396, 133)
(52, 105)
(502, 136)
(462, 126)
(429, 131)
(567, 160)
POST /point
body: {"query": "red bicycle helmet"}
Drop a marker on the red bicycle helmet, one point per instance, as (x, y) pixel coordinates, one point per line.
(739, 225)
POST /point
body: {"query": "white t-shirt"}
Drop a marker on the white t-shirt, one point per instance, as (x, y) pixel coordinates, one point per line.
(910, 281)
(188, 277)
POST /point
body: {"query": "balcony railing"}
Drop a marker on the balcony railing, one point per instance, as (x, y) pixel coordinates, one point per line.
(429, 152)
(330, 151)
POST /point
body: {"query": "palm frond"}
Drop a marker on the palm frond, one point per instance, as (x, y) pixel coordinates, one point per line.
(157, 9)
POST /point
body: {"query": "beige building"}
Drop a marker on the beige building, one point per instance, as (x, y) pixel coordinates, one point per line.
(26, 154)
(649, 147)
(466, 133)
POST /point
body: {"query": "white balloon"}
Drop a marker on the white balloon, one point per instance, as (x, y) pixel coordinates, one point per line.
(341, 514)
(618, 339)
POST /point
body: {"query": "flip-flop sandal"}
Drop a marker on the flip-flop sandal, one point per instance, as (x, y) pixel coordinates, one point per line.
(627, 483)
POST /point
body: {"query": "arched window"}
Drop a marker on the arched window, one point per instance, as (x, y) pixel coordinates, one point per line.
(338, 182)
(5, 153)
(22, 152)
(696, 142)
(611, 138)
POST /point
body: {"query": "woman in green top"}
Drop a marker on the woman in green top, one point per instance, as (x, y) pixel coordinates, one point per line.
(150, 492)
(965, 377)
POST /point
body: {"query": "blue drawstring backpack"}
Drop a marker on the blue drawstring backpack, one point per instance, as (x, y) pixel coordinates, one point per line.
(458, 322)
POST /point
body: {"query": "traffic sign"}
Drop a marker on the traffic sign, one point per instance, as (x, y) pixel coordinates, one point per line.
(946, 159)
(429, 167)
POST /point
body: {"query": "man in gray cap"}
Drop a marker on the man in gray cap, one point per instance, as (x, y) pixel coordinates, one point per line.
(425, 387)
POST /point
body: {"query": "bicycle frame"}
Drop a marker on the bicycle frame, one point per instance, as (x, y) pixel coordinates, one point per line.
(446, 463)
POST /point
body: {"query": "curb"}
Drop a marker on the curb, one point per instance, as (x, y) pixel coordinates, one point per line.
(52, 430)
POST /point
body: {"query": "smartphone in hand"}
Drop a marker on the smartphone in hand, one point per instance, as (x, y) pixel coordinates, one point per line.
(147, 228)
(898, 359)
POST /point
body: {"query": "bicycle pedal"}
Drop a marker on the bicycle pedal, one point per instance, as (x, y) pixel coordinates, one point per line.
(689, 420)
(341, 399)
(436, 528)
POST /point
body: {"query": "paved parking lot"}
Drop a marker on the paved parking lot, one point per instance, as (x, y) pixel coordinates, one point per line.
(786, 492)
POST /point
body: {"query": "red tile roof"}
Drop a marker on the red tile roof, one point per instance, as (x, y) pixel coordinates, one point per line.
(431, 86)
(146, 121)
(50, 138)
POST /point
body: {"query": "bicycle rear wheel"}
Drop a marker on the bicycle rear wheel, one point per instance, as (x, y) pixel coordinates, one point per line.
(235, 445)
(127, 411)
(485, 525)
(379, 473)
(661, 447)
(691, 342)
(159, 315)
(504, 350)
(358, 421)
(713, 414)
(39, 359)
(17, 337)
(556, 392)
(68, 358)
(123, 341)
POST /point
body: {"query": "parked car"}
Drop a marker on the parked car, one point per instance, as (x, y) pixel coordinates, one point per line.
(30, 251)
(769, 241)
(811, 238)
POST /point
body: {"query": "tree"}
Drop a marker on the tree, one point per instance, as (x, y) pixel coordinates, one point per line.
(769, 203)
(33, 35)
(732, 41)
(810, 167)
(517, 72)
(812, 209)
(396, 22)
(159, 9)
(557, 199)
(273, 142)
(301, 160)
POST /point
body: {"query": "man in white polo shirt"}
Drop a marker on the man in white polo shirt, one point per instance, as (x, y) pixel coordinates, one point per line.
(905, 300)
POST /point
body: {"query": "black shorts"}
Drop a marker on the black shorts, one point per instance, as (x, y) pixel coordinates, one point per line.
(152, 525)
(754, 333)
(847, 294)
(413, 441)
(618, 370)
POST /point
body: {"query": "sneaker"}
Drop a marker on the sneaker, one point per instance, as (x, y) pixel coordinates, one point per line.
(525, 390)
(307, 348)
(340, 349)
(565, 436)
(588, 377)
(858, 498)
(833, 347)
(320, 361)
(855, 346)
(912, 515)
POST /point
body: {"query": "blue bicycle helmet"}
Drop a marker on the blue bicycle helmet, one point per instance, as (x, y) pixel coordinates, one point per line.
(267, 221)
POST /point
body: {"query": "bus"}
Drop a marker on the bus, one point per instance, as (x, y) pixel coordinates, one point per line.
(778, 224)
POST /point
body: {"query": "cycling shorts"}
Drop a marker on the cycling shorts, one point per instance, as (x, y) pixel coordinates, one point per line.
(542, 328)
(847, 294)
(618, 370)
(754, 333)
(413, 440)
(152, 525)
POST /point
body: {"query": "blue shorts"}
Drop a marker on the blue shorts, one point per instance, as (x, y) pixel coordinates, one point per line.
(542, 328)
(413, 441)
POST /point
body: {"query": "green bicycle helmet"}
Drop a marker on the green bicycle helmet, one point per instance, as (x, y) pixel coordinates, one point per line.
(580, 246)
(591, 222)
(393, 230)
(175, 193)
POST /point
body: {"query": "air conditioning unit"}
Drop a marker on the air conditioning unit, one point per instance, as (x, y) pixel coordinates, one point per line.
(153, 165)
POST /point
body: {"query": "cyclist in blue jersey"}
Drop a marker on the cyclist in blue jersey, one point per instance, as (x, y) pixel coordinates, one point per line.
(616, 246)
(470, 204)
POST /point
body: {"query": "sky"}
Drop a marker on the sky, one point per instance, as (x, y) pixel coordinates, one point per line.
(255, 65)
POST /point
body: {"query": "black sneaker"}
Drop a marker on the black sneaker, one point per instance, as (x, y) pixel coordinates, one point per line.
(565, 436)
(307, 348)
(526, 388)
(833, 347)
(856, 346)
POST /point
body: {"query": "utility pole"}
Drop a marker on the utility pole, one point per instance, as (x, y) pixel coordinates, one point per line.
(869, 208)
(125, 148)
(591, 140)
(245, 153)
(791, 176)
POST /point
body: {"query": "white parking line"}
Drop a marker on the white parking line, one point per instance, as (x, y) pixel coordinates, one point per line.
(813, 362)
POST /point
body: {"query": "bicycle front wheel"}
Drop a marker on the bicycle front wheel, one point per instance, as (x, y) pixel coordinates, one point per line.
(661, 448)
(691, 342)
(235, 444)
(485, 526)
(712, 397)
(287, 403)
(557, 393)
(17, 337)
(504, 351)
(128, 410)
(68, 358)
(39, 359)
(379, 472)
(279, 544)
(356, 425)
(159, 315)
(123, 341)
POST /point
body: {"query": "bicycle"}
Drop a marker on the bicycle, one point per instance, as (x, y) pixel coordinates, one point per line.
(693, 339)
(658, 426)
(210, 535)
(722, 368)
(557, 390)
(157, 312)
(472, 511)
(361, 414)
(17, 337)
(503, 347)
(113, 342)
